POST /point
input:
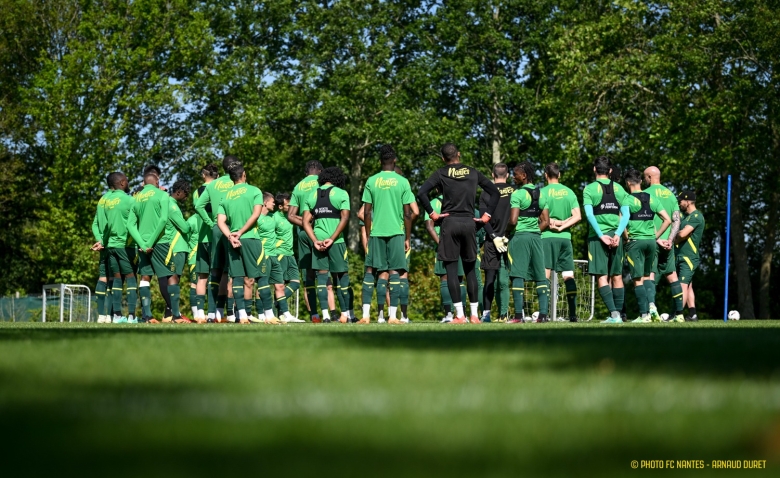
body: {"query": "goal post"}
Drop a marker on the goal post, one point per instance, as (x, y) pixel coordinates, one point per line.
(71, 301)
(559, 306)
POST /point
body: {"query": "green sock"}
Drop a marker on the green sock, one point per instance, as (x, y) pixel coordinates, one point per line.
(446, 299)
(368, 288)
(100, 296)
(606, 295)
(395, 289)
(502, 291)
(116, 294)
(238, 295)
(518, 289)
(480, 286)
(677, 296)
(291, 288)
(281, 305)
(650, 291)
(381, 293)
(404, 297)
(132, 295)
(108, 299)
(146, 299)
(571, 297)
(213, 292)
(543, 292)
(175, 292)
(200, 301)
(343, 291)
(641, 299)
(264, 291)
(322, 289)
(193, 298)
(311, 296)
(230, 302)
(619, 296)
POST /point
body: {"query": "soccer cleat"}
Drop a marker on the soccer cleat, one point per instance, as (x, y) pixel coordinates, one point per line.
(344, 319)
(502, 318)
(639, 320)
(254, 320)
(326, 320)
(133, 320)
(272, 321)
(459, 320)
(380, 320)
(315, 319)
(515, 321)
(120, 320)
(394, 322)
(186, 318)
(245, 321)
(624, 317)
(364, 320)
(101, 319)
(678, 318)
(612, 320)
(182, 320)
(446, 320)
(692, 318)
(405, 320)
(654, 316)
(542, 319)
(475, 320)
(152, 321)
(201, 320)
(573, 319)
(486, 319)
(167, 320)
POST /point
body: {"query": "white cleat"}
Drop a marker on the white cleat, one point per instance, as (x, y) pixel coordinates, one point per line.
(446, 320)
(381, 321)
(405, 320)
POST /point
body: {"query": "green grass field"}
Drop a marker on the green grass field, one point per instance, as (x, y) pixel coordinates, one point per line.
(418, 400)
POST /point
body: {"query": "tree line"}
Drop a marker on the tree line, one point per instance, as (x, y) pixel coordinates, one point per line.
(89, 87)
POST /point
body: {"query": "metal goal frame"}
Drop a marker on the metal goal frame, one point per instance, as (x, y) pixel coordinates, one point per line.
(67, 289)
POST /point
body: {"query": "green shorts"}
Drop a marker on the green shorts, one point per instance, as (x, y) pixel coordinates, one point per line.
(603, 260)
(439, 270)
(145, 264)
(526, 256)
(219, 249)
(664, 263)
(305, 250)
(686, 267)
(289, 267)
(408, 260)
(640, 255)
(121, 260)
(387, 253)
(203, 258)
(558, 254)
(275, 275)
(166, 262)
(332, 260)
(247, 260)
(193, 276)
(103, 263)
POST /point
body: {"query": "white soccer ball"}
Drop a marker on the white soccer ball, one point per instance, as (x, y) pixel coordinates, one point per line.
(665, 316)
(535, 316)
(733, 315)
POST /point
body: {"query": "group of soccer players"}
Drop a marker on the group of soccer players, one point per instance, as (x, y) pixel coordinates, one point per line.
(239, 250)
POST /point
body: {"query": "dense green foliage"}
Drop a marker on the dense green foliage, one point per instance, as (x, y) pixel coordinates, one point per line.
(422, 400)
(88, 87)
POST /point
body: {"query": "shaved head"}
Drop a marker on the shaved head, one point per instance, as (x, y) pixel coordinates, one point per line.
(652, 175)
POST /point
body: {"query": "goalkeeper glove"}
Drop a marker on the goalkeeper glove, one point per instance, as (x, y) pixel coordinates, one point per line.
(500, 243)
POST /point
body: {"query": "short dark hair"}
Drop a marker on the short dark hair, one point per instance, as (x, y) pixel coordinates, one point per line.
(449, 151)
(267, 196)
(114, 179)
(181, 185)
(282, 197)
(386, 154)
(528, 169)
(552, 170)
(228, 160)
(312, 167)
(633, 176)
(154, 169)
(500, 170)
(211, 170)
(236, 170)
(602, 164)
(333, 175)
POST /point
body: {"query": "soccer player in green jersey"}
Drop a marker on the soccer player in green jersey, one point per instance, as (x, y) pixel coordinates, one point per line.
(212, 196)
(607, 211)
(564, 211)
(642, 238)
(387, 197)
(203, 256)
(404, 277)
(526, 255)
(687, 250)
(146, 224)
(286, 258)
(194, 222)
(102, 297)
(170, 252)
(237, 216)
(271, 271)
(665, 264)
(325, 215)
(120, 253)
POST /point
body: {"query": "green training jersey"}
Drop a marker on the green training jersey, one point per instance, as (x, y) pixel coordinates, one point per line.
(266, 231)
(638, 229)
(203, 230)
(177, 230)
(387, 192)
(117, 210)
(690, 248)
(559, 201)
(663, 195)
(100, 221)
(238, 205)
(436, 205)
(592, 196)
(325, 227)
(302, 190)
(213, 194)
(284, 234)
(194, 222)
(521, 199)
(148, 217)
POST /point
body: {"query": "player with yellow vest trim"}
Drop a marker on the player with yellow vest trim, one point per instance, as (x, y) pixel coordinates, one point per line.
(202, 269)
(170, 253)
(687, 250)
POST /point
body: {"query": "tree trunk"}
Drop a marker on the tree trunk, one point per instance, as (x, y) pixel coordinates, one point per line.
(741, 266)
(355, 199)
(770, 238)
(496, 132)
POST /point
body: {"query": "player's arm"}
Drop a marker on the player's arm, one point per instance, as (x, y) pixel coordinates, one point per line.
(667, 221)
(574, 219)
(341, 226)
(308, 227)
(422, 195)
(252, 221)
(490, 188)
(96, 229)
(483, 200)
(132, 228)
(162, 222)
(368, 219)
(431, 230)
(683, 235)
(360, 214)
(179, 223)
(408, 217)
(544, 220)
(514, 215)
(200, 208)
(364, 238)
(293, 216)
(675, 227)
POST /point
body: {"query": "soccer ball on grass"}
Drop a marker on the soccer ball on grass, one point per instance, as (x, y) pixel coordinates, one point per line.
(733, 315)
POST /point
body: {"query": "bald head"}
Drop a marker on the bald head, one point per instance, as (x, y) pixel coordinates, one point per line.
(151, 178)
(652, 175)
